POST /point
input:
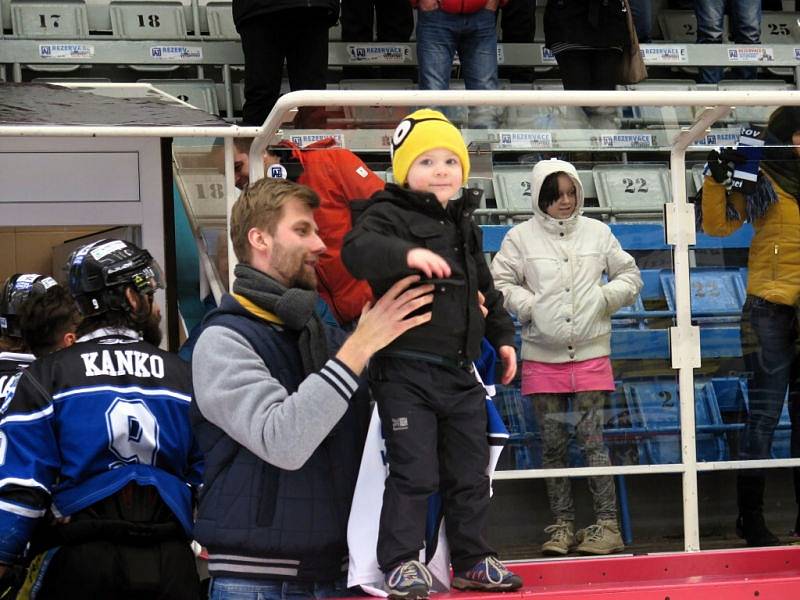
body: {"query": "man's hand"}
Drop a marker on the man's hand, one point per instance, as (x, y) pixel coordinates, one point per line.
(509, 357)
(383, 323)
(427, 5)
(430, 263)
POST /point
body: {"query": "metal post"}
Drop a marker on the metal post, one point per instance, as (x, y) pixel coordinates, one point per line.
(230, 198)
(685, 337)
(228, 85)
(196, 26)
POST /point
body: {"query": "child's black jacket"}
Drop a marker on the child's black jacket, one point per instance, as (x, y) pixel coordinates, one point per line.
(396, 220)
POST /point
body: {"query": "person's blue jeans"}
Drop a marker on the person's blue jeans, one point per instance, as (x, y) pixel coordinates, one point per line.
(769, 334)
(474, 36)
(642, 11)
(745, 20)
(235, 588)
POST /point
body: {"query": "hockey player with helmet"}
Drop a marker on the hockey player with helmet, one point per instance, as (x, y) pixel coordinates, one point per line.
(38, 302)
(100, 434)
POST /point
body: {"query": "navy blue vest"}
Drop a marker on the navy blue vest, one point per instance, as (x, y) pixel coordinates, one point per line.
(249, 508)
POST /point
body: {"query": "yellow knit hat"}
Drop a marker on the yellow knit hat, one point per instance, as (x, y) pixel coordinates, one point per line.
(424, 130)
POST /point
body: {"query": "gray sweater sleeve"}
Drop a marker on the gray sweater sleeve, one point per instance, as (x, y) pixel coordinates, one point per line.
(235, 390)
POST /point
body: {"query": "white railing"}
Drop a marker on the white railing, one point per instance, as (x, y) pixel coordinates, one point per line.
(680, 228)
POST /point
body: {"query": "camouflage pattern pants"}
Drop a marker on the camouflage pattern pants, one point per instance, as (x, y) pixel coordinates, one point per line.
(555, 413)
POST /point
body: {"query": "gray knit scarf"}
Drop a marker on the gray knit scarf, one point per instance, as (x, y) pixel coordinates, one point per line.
(295, 307)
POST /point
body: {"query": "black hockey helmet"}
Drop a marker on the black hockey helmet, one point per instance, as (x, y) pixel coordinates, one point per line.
(99, 273)
(15, 291)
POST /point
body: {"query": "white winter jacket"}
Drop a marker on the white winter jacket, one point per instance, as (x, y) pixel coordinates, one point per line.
(550, 272)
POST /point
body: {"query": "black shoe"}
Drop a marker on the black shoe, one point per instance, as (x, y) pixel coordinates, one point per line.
(751, 527)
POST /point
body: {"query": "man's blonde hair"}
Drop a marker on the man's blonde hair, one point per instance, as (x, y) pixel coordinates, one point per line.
(260, 205)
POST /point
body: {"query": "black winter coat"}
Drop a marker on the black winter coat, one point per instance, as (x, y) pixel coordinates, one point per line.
(397, 220)
(596, 23)
(246, 9)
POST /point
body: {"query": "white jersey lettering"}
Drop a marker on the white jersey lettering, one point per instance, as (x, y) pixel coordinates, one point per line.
(108, 364)
(123, 362)
(89, 362)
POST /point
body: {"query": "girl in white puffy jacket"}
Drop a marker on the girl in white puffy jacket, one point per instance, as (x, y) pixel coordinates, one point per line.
(550, 270)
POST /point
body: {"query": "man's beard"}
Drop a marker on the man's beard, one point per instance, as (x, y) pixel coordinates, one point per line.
(151, 330)
(292, 268)
(149, 325)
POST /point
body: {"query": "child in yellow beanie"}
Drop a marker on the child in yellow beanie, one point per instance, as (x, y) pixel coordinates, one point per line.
(430, 403)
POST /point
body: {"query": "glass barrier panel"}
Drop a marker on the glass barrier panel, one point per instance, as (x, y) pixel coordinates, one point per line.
(199, 171)
(626, 409)
(744, 293)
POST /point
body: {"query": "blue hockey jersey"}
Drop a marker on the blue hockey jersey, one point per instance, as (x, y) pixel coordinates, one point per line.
(84, 422)
(10, 364)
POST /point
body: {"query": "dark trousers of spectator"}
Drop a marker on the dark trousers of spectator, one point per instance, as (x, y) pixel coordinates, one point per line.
(518, 25)
(434, 424)
(642, 11)
(381, 21)
(298, 36)
(104, 569)
(393, 20)
(769, 344)
(589, 69)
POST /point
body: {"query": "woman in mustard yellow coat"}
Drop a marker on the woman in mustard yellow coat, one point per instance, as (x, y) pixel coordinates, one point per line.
(769, 319)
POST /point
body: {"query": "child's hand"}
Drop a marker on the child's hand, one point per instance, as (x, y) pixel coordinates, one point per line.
(509, 357)
(430, 263)
(482, 304)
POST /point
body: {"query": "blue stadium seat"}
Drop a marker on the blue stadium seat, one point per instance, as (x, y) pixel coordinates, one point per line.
(517, 416)
(654, 407)
(717, 294)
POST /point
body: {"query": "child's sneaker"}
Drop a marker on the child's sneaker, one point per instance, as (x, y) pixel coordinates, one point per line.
(488, 575)
(409, 580)
(562, 538)
(601, 538)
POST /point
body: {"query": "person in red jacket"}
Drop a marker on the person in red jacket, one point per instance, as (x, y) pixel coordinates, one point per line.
(337, 176)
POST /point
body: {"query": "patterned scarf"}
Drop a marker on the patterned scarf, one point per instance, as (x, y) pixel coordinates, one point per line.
(295, 307)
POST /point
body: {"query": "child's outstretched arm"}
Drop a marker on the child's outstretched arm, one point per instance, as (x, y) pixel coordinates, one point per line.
(624, 279)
